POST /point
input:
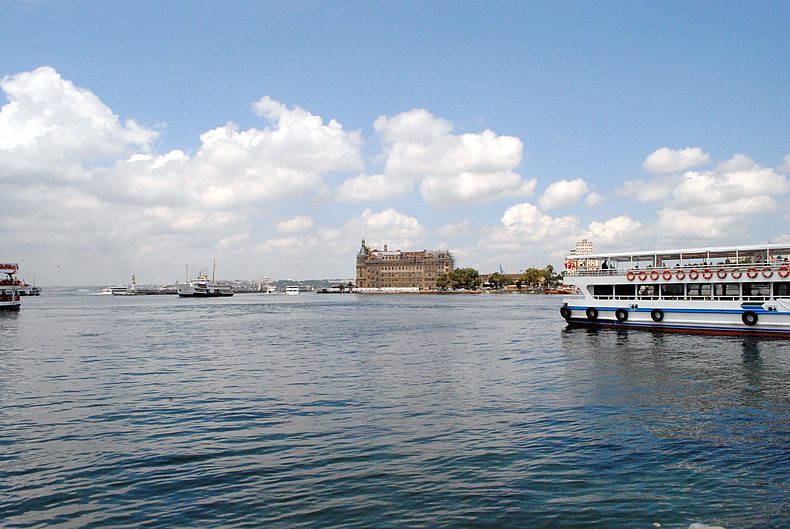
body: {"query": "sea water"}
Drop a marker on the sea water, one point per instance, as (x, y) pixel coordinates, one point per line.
(381, 411)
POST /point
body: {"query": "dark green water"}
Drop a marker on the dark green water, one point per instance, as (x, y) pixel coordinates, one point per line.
(381, 411)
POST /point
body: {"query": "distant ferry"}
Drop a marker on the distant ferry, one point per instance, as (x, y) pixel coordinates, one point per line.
(740, 290)
(9, 287)
(203, 288)
(118, 290)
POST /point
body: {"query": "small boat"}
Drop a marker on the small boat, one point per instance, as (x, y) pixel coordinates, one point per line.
(293, 290)
(202, 287)
(119, 290)
(9, 287)
(738, 290)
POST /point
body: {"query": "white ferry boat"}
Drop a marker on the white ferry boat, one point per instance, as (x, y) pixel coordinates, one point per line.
(743, 290)
(203, 288)
(9, 287)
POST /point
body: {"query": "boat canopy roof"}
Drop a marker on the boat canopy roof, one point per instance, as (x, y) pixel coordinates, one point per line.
(760, 252)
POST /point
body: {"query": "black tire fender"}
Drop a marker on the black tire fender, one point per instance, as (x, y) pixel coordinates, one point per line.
(657, 315)
(621, 315)
(565, 312)
(749, 318)
(592, 313)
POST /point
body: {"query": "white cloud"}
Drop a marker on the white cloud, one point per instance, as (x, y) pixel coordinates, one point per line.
(622, 231)
(739, 192)
(785, 167)
(655, 190)
(563, 193)
(453, 169)
(51, 130)
(297, 224)
(594, 199)
(666, 160)
(364, 187)
(391, 227)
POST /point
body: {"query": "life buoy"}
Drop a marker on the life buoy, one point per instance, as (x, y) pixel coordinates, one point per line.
(654, 274)
(752, 273)
(592, 313)
(621, 315)
(767, 272)
(693, 275)
(642, 275)
(721, 273)
(749, 318)
(565, 312)
(736, 273)
(657, 315)
(680, 274)
(667, 275)
(630, 275)
(783, 271)
(707, 273)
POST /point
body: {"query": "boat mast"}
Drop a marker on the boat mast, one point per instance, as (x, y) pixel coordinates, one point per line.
(214, 271)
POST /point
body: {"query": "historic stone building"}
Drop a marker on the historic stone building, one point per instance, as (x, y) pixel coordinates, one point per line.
(383, 270)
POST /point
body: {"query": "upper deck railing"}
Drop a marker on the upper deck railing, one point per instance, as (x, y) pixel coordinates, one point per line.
(774, 268)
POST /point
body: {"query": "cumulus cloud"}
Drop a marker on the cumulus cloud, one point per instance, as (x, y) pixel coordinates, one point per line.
(452, 169)
(364, 187)
(297, 224)
(660, 188)
(391, 227)
(50, 130)
(666, 160)
(69, 164)
(616, 232)
(563, 193)
(785, 167)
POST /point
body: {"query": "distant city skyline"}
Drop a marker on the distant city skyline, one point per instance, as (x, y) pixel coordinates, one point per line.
(272, 137)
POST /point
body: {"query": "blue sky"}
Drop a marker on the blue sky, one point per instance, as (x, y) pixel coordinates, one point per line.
(140, 137)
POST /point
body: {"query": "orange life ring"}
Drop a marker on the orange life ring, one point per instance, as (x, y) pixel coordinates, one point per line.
(680, 274)
(654, 275)
(721, 273)
(767, 272)
(752, 273)
(642, 275)
(784, 271)
(667, 275)
(707, 273)
(693, 274)
(736, 273)
(630, 275)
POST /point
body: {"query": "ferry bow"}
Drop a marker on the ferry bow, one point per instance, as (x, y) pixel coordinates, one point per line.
(742, 290)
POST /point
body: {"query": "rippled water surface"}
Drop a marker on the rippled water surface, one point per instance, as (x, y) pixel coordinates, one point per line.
(381, 411)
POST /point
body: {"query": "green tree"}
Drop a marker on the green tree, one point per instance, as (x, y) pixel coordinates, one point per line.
(465, 278)
(499, 280)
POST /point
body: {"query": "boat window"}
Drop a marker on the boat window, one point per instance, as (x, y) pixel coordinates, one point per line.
(625, 291)
(756, 290)
(672, 291)
(698, 290)
(727, 290)
(648, 291)
(782, 290)
(603, 291)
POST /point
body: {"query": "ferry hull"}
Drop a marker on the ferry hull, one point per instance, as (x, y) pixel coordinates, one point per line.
(728, 322)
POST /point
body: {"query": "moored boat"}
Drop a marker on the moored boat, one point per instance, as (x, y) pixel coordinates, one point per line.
(741, 290)
(9, 287)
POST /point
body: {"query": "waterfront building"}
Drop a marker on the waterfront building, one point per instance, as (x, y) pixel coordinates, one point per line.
(397, 271)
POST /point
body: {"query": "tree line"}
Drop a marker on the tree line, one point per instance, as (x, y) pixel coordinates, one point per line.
(469, 279)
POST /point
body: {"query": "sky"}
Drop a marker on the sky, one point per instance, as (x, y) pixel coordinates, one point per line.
(146, 137)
